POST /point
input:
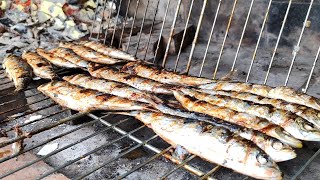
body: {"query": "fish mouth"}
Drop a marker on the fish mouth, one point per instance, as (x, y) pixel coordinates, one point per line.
(284, 155)
(285, 137)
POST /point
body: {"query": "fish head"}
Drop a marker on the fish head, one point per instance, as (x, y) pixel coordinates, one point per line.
(278, 133)
(307, 130)
(22, 83)
(283, 151)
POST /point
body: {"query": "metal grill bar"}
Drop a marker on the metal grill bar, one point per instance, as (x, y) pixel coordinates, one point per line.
(311, 71)
(296, 48)
(278, 40)
(132, 25)
(108, 25)
(242, 34)
(171, 33)
(115, 24)
(210, 37)
(8, 102)
(306, 165)
(161, 30)
(151, 29)
(141, 28)
(210, 173)
(225, 38)
(183, 36)
(196, 35)
(124, 23)
(258, 41)
(100, 27)
(178, 167)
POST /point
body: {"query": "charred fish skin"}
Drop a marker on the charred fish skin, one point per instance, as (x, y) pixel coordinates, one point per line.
(161, 75)
(225, 149)
(70, 56)
(109, 51)
(295, 125)
(18, 71)
(137, 82)
(40, 67)
(242, 119)
(89, 54)
(109, 87)
(58, 61)
(282, 92)
(84, 100)
(309, 114)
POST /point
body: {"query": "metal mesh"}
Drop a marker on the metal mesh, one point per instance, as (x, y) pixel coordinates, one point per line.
(33, 102)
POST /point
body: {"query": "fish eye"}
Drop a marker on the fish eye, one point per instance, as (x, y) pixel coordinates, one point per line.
(277, 145)
(262, 159)
(308, 127)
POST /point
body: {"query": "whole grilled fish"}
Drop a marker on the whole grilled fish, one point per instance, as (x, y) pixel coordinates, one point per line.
(242, 119)
(295, 125)
(89, 54)
(18, 71)
(85, 100)
(40, 67)
(109, 87)
(58, 61)
(109, 51)
(140, 83)
(217, 145)
(161, 75)
(284, 93)
(309, 114)
(70, 56)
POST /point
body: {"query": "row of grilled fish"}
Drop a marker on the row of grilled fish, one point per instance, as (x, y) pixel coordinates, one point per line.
(253, 110)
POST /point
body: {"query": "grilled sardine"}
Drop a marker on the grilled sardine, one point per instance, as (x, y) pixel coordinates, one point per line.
(295, 125)
(162, 75)
(242, 119)
(217, 145)
(85, 100)
(284, 93)
(89, 54)
(310, 114)
(134, 81)
(40, 67)
(70, 56)
(58, 61)
(109, 51)
(18, 71)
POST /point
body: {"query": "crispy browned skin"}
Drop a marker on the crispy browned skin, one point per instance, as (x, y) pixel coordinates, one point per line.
(41, 68)
(18, 71)
(134, 81)
(284, 93)
(85, 100)
(242, 119)
(58, 61)
(310, 114)
(162, 75)
(89, 54)
(109, 51)
(216, 145)
(295, 125)
(69, 55)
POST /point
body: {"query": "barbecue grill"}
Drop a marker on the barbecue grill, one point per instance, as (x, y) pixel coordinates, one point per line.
(115, 147)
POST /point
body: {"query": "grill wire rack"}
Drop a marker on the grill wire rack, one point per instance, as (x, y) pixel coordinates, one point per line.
(33, 102)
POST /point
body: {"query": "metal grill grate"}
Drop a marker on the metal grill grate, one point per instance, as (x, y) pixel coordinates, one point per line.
(199, 59)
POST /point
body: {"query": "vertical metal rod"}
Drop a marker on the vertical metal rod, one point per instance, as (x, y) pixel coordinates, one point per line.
(183, 36)
(115, 24)
(94, 19)
(196, 35)
(212, 171)
(311, 72)
(141, 28)
(101, 29)
(132, 25)
(278, 40)
(171, 33)
(108, 25)
(124, 23)
(210, 37)
(242, 34)
(225, 38)
(259, 38)
(151, 29)
(296, 48)
(160, 35)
